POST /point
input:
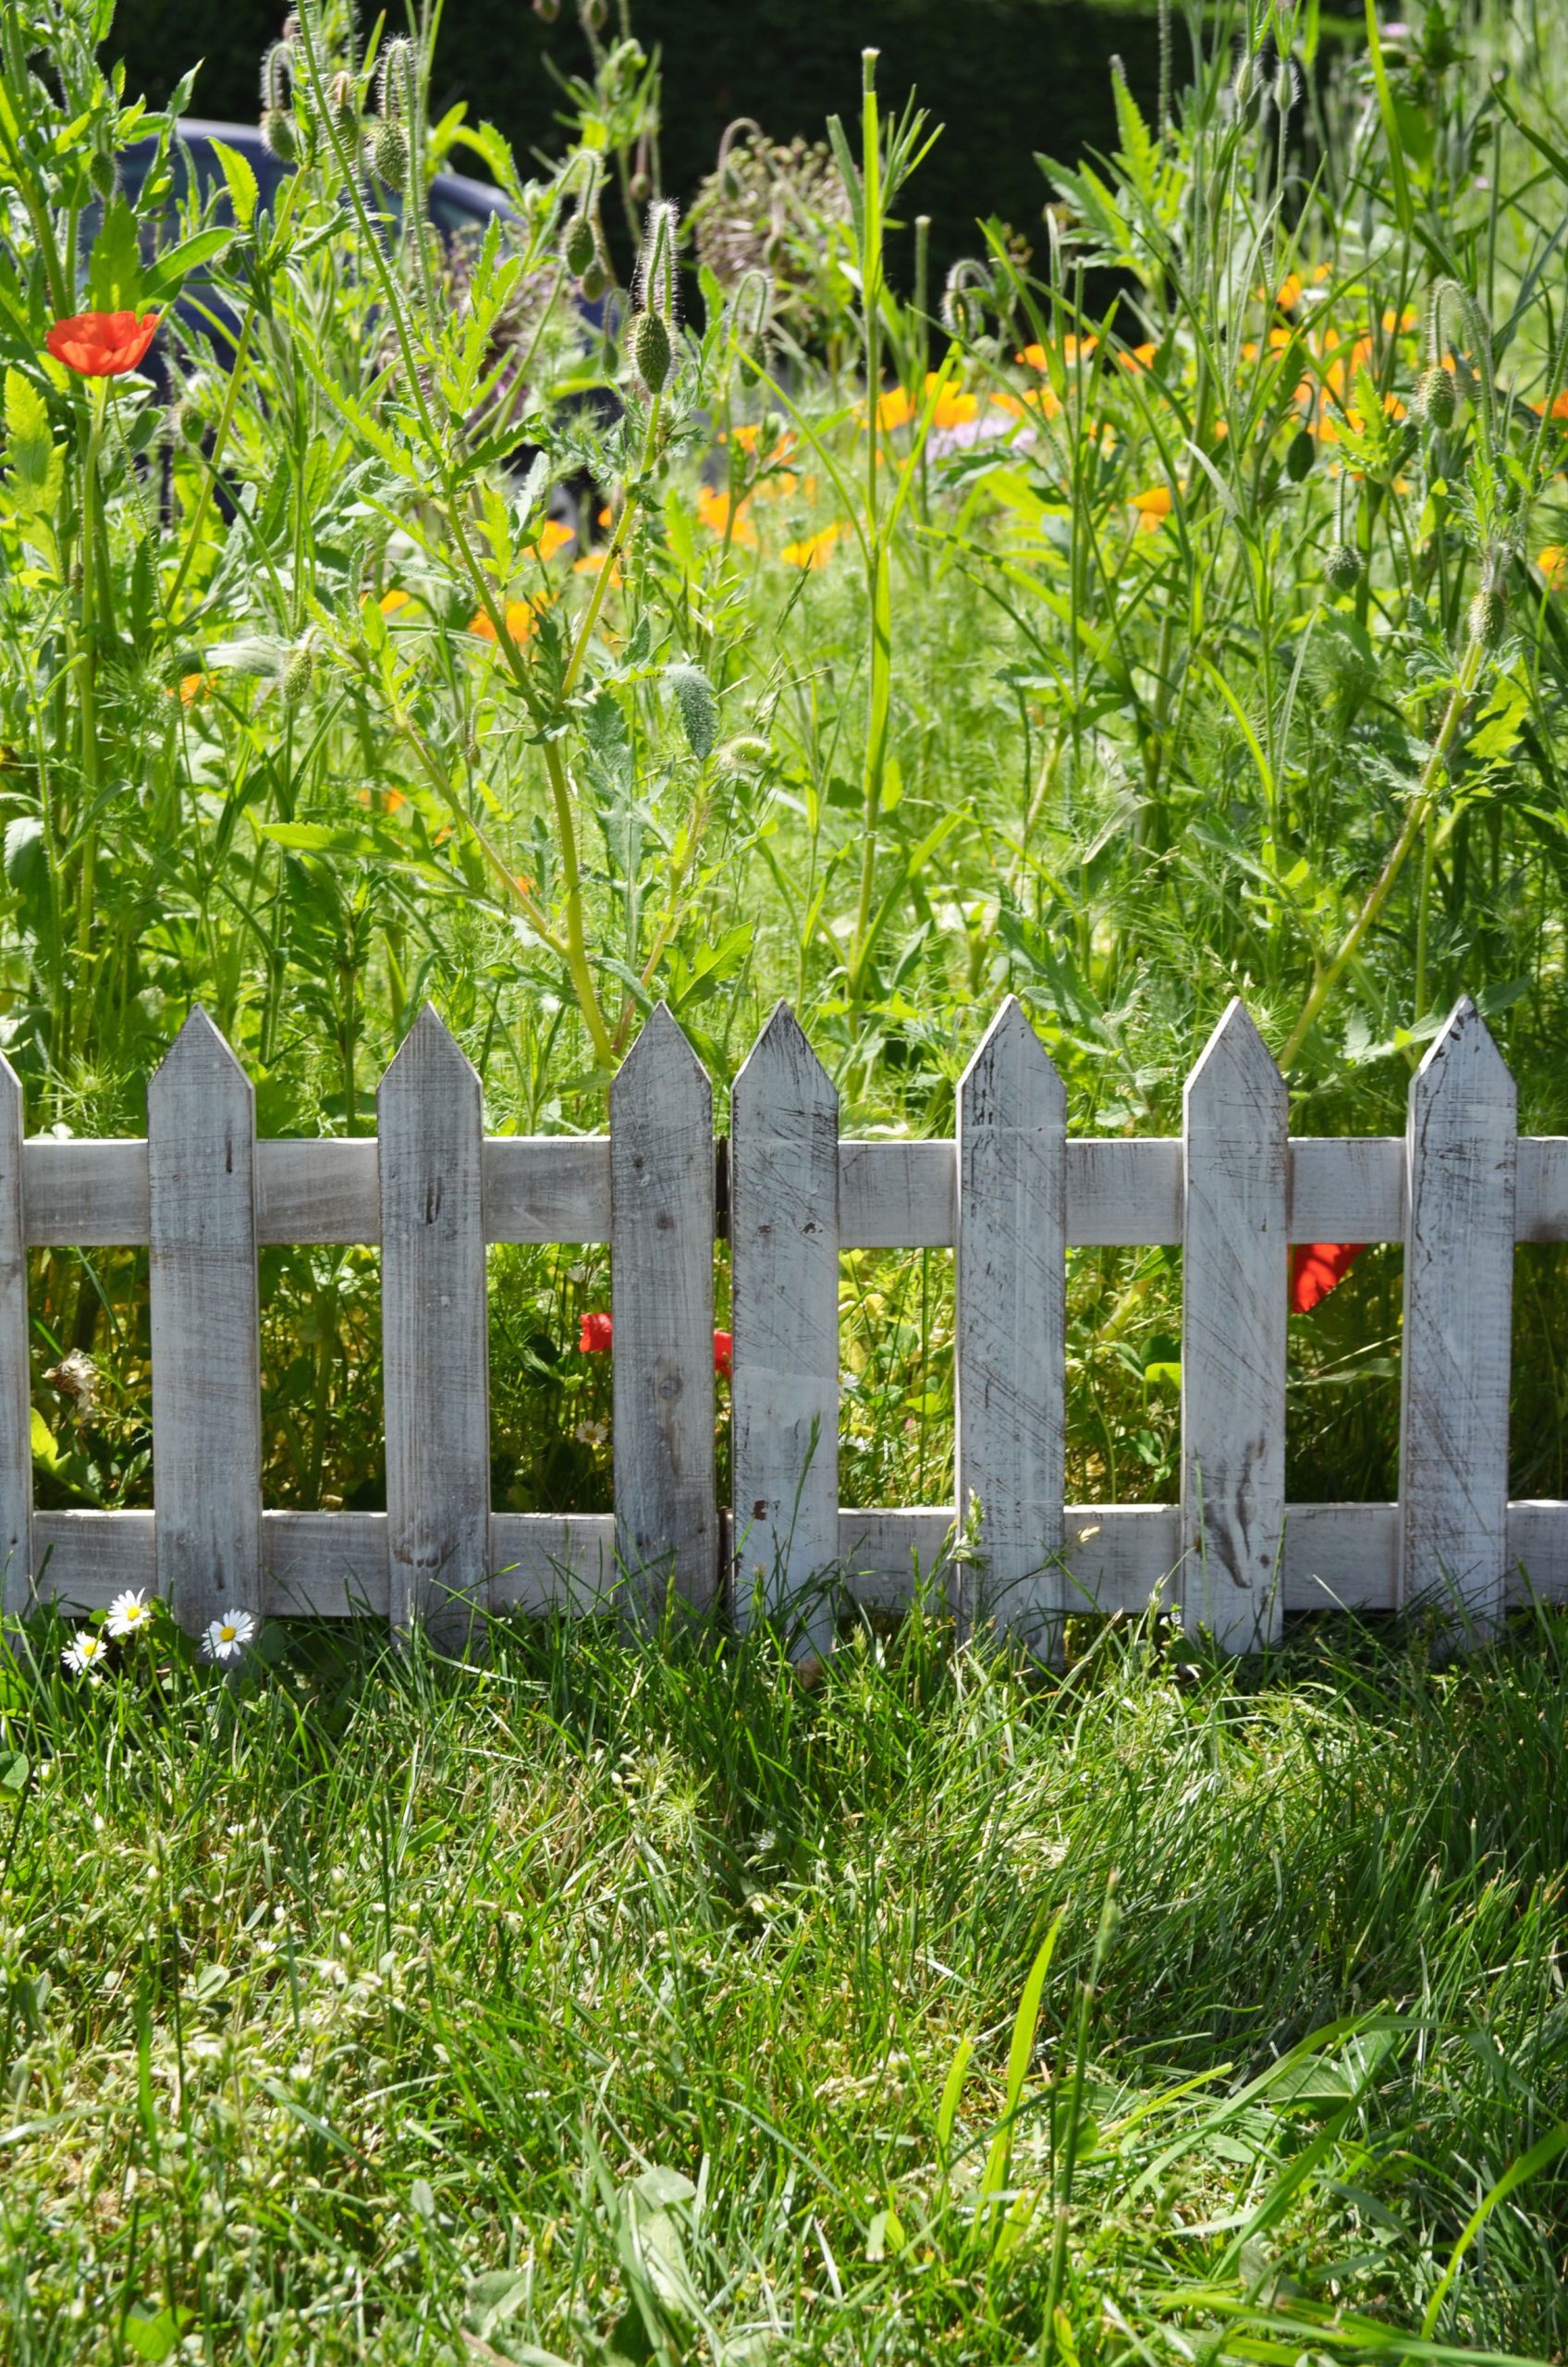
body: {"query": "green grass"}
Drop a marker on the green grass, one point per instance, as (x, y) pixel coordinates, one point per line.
(640, 2000)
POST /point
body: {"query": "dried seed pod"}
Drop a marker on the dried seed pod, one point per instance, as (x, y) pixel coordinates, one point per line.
(1342, 567)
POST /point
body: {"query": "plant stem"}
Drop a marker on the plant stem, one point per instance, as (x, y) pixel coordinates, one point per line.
(91, 764)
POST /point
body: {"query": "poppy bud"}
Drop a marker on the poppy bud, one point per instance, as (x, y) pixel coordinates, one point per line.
(101, 173)
(298, 673)
(547, 10)
(278, 135)
(657, 282)
(1342, 567)
(1437, 395)
(580, 246)
(595, 281)
(343, 99)
(594, 12)
(640, 187)
(1488, 616)
(651, 350)
(387, 149)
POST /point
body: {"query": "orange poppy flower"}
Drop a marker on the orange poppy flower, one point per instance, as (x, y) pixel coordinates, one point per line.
(1153, 506)
(811, 551)
(102, 345)
(1318, 1267)
(522, 616)
(714, 510)
(1553, 564)
(553, 536)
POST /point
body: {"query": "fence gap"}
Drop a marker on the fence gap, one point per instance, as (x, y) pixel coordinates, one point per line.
(205, 1325)
(433, 1336)
(1462, 1167)
(1234, 1307)
(1010, 1346)
(662, 1227)
(784, 1294)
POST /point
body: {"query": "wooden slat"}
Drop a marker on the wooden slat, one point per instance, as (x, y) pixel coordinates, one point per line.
(784, 1284)
(206, 1335)
(16, 1381)
(333, 1565)
(1347, 1189)
(323, 1192)
(548, 1188)
(434, 1347)
(1457, 1349)
(84, 1194)
(1233, 1338)
(1123, 1193)
(1010, 1336)
(1541, 1207)
(661, 1286)
(896, 1195)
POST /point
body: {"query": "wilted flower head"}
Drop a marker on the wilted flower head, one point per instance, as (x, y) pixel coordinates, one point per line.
(76, 1379)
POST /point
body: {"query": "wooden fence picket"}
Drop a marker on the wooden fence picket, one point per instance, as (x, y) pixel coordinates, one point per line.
(1456, 1357)
(1010, 1351)
(662, 1225)
(784, 1286)
(205, 1330)
(435, 1336)
(16, 1389)
(1233, 1284)
(1008, 1194)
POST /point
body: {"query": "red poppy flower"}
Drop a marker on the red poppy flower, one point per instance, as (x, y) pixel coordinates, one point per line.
(102, 345)
(1318, 1267)
(597, 1334)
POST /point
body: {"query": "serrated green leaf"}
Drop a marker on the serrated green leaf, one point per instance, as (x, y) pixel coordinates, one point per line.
(243, 193)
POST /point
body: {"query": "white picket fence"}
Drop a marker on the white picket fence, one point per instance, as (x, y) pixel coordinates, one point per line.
(1010, 1196)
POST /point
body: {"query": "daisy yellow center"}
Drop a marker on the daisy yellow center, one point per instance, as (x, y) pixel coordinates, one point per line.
(227, 1633)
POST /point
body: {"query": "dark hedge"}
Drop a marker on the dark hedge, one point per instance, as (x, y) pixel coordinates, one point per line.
(1005, 78)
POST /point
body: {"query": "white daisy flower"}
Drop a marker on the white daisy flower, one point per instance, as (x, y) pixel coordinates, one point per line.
(129, 1612)
(86, 1656)
(228, 1637)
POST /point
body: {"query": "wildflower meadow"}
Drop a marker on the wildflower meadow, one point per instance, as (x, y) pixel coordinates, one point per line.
(579, 595)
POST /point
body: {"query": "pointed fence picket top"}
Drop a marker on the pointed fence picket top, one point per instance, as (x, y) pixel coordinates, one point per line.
(16, 1389)
(1233, 1306)
(661, 1283)
(435, 1344)
(784, 1251)
(1455, 1359)
(1010, 1339)
(205, 1330)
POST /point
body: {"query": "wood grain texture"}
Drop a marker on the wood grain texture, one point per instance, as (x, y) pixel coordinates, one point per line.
(1233, 1277)
(661, 1287)
(1457, 1351)
(548, 1188)
(434, 1344)
(205, 1330)
(323, 1192)
(1010, 1333)
(16, 1387)
(784, 1286)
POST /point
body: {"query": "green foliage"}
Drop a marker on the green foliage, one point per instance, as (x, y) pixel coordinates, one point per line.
(628, 1999)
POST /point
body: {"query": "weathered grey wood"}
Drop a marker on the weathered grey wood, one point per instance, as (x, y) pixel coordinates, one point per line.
(1345, 1189)
(1122, 1193)
(318, 1191)
(205, 1330)
(784, 1289)
(1233, 1338)
(1456, 1354)
(1541, 1207)
(16, 1387)
(1119, 1557)
(435, 1346)
(896, 1195)
(85, 1195)
(1009, 1351)
(548, 1188)
(661, 1284)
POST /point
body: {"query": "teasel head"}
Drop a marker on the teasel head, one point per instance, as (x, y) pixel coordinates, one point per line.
(657, 286)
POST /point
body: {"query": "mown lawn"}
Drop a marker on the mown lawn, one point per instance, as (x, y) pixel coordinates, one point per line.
(631, 1999)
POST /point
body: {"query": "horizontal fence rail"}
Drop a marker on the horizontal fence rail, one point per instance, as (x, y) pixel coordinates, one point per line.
(1009, 1195)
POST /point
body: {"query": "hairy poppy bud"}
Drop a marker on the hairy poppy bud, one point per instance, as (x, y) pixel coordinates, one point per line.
(387, 149)
(101, 173)
(640, 186)
(548, 10)
(279, 136)
(299, 672)
(595, 280)
(1342, 567)
(343, 99)
(594, 13)
(656, 281)
(582, 247)
(1488, 616)
(1437, 395)
(697, 706)
(651, 351)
